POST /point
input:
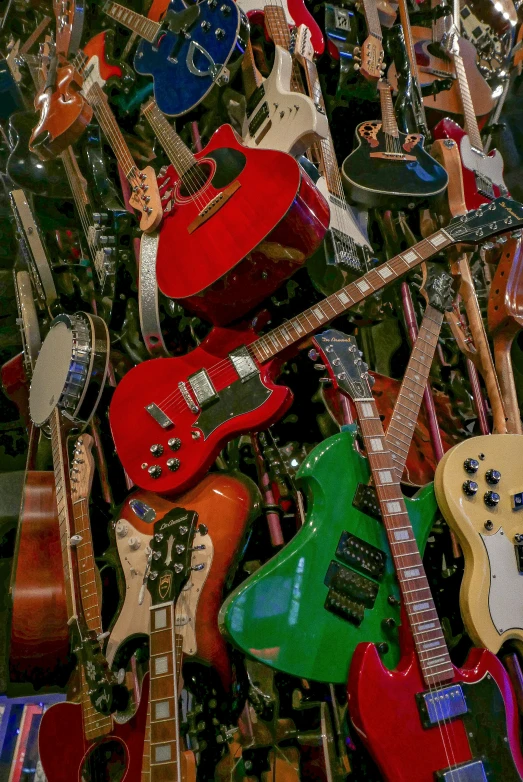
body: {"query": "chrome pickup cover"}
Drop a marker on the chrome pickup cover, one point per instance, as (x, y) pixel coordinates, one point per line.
(439, 705)
(244, 363)
(465, 772)
(202, 388)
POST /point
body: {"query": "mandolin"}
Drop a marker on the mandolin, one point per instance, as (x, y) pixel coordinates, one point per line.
(231, 234)
(435, 707)
(388, 167)
(226, 386)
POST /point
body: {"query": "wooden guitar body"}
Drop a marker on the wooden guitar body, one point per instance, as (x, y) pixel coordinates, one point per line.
(67, 756)
(278, 118)
(255, 404)
(39, 633)
(26, 169)
(375, 175)
(384, 709)
(435, 64)
(229, 245)
(280, 611)
(64, 115)
(491, 596)
(225, 503)
(474, 162)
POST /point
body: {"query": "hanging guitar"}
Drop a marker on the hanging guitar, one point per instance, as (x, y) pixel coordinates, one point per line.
(435, 707)
(188, 51)
(224, 388)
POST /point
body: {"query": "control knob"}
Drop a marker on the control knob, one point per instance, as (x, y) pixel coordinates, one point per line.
(174, 443)
(491, 498)
(471, 466)
(121, 529)
(155, 471)
(156, 449)
(493, 477)
(173, 464)
(135, 543)
(470, 488)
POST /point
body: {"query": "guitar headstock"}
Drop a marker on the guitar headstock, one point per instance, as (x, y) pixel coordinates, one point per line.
(171, 547)
(302, 43)
(342, 359)
(82, 467)
(503, 215)
(450, 41)
(439, 287)
(369, 59)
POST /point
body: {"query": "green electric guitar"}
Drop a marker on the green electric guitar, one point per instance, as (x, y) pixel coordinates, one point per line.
(334, 584)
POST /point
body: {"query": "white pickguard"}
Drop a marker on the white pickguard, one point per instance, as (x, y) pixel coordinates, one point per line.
(506, 582)
(343, 217)
(489, 166)
(294, 121)
(133, 618)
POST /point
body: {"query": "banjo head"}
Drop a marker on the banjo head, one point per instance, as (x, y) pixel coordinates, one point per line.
(71, 369)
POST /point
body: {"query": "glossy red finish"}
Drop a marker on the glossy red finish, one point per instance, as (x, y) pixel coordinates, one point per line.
(384, 710)
(16, 384)
(261, 235)
(99, 46)
(447, 128)
(39, 634)
(156, 381)
(225, 503)
(64, 750)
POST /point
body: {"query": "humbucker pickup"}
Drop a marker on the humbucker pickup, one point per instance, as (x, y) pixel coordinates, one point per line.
(350, 584)
(366, 500)
(473, 771)
(441, 705)
(255, 98)
(258, 119)
(362, 556)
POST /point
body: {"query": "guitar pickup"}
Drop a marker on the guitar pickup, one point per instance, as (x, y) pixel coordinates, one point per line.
(202, 388)
(349, 584)
(159, 416)
(439, 706)
(362, 556)
(344, 607)
(258, 119)
(244, 363)
(471, 771)
(253, 101)
(518, 546)
(366, 501)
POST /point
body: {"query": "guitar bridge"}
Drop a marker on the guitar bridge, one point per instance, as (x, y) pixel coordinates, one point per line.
(213, 206)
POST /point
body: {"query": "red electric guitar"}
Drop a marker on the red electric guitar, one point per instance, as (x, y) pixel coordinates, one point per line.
(170, 417)
(482, 174)
(460, 724)
(231, 233)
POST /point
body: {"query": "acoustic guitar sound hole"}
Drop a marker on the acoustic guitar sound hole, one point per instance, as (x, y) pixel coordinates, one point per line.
(195, 178)
(106, 763)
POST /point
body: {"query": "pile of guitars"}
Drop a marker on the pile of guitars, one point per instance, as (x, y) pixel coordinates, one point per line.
(261, 363)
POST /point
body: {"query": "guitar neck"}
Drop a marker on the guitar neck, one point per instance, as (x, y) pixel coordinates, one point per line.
(471, 123)
(139, 24)
(430, 645)
(166, 658)
(390, 126)
(280, 34)
(78, 186)
(252, 78)
(35, 35)
(370, 9)
(180, 156)
(98, 101)
(407, 407)
(411, 55)
(301, 326)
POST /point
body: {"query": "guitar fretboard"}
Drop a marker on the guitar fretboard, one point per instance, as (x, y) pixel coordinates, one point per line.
(180, 156)
(139, 24)
(280, 34)
(430, 644)
(98, 101)
(471, 123)
(301, 326)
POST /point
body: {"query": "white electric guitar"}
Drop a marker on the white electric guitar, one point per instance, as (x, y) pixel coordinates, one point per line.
(278, 115)
(479, 489)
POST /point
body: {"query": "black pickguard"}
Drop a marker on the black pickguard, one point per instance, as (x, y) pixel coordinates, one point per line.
(229, 165)
(236, 399)
(26, 169)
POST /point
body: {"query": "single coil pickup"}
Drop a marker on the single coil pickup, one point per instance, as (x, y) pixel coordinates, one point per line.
(258, 119)
(350, 584)
(256, 97)
(347, 609)
(362, 556)
(441, 705)
(366, 500)
(473, 771)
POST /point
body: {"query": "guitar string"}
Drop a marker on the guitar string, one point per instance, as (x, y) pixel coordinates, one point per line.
(77, 192)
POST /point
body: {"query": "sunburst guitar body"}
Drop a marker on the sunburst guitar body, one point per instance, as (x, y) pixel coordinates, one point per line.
(479, 488)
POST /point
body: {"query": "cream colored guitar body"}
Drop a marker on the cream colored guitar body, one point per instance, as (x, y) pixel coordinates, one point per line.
(491, 597)
(133, 619)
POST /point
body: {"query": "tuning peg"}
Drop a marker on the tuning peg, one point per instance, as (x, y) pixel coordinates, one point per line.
(75, 541)
(516, 234)
(325, 380)
(313, 354)
(371, 380)
(502, 240)
(319, 367)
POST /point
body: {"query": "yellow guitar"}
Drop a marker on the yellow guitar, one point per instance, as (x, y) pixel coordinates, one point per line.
(479, 489)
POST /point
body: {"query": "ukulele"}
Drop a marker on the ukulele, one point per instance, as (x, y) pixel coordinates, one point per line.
(231, 234)
(224, 388)
(435, 707)
(349, 593)
(188, 51)
(482, 173)
(227, 503)
(64, 113)
(390, 168)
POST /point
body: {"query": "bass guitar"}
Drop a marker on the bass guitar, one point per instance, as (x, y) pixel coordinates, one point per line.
(339, 562)
(188, 51)
(224, 388)
(390, 168)
(226, 503)
(478, 490)
(482, 173)
(435, 707)
(231, 234)
(296, 14)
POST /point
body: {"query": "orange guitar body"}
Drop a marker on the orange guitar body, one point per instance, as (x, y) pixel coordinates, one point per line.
(64, 115)
(39, 633)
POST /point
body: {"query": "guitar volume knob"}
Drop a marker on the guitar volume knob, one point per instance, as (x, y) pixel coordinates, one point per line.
(174, 443)
(173, 464)
(156, 449)
(470, 488)
(225, 10)
(491, 499)
(220, 34)
(493, 477)
(471, 466)
(155, 471)
(121, 529)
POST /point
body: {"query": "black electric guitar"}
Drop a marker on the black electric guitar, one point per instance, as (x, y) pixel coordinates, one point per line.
(390, 168)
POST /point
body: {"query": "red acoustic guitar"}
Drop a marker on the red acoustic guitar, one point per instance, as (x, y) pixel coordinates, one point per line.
(231, 233)
(170, 417)
(458, 723)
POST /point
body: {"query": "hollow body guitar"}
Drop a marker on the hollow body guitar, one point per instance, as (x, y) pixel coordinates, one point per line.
(227, 503)
(479, 490)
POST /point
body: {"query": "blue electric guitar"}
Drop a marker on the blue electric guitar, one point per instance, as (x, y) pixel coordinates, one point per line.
(188, 51)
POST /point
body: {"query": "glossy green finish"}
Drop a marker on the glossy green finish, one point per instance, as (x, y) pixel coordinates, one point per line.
(277, 615)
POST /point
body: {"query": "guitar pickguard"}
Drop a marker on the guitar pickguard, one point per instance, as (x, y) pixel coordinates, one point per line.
(506, 582)
(234, 400)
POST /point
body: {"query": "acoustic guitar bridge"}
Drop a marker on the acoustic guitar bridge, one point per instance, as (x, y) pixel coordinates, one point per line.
(214, 206)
